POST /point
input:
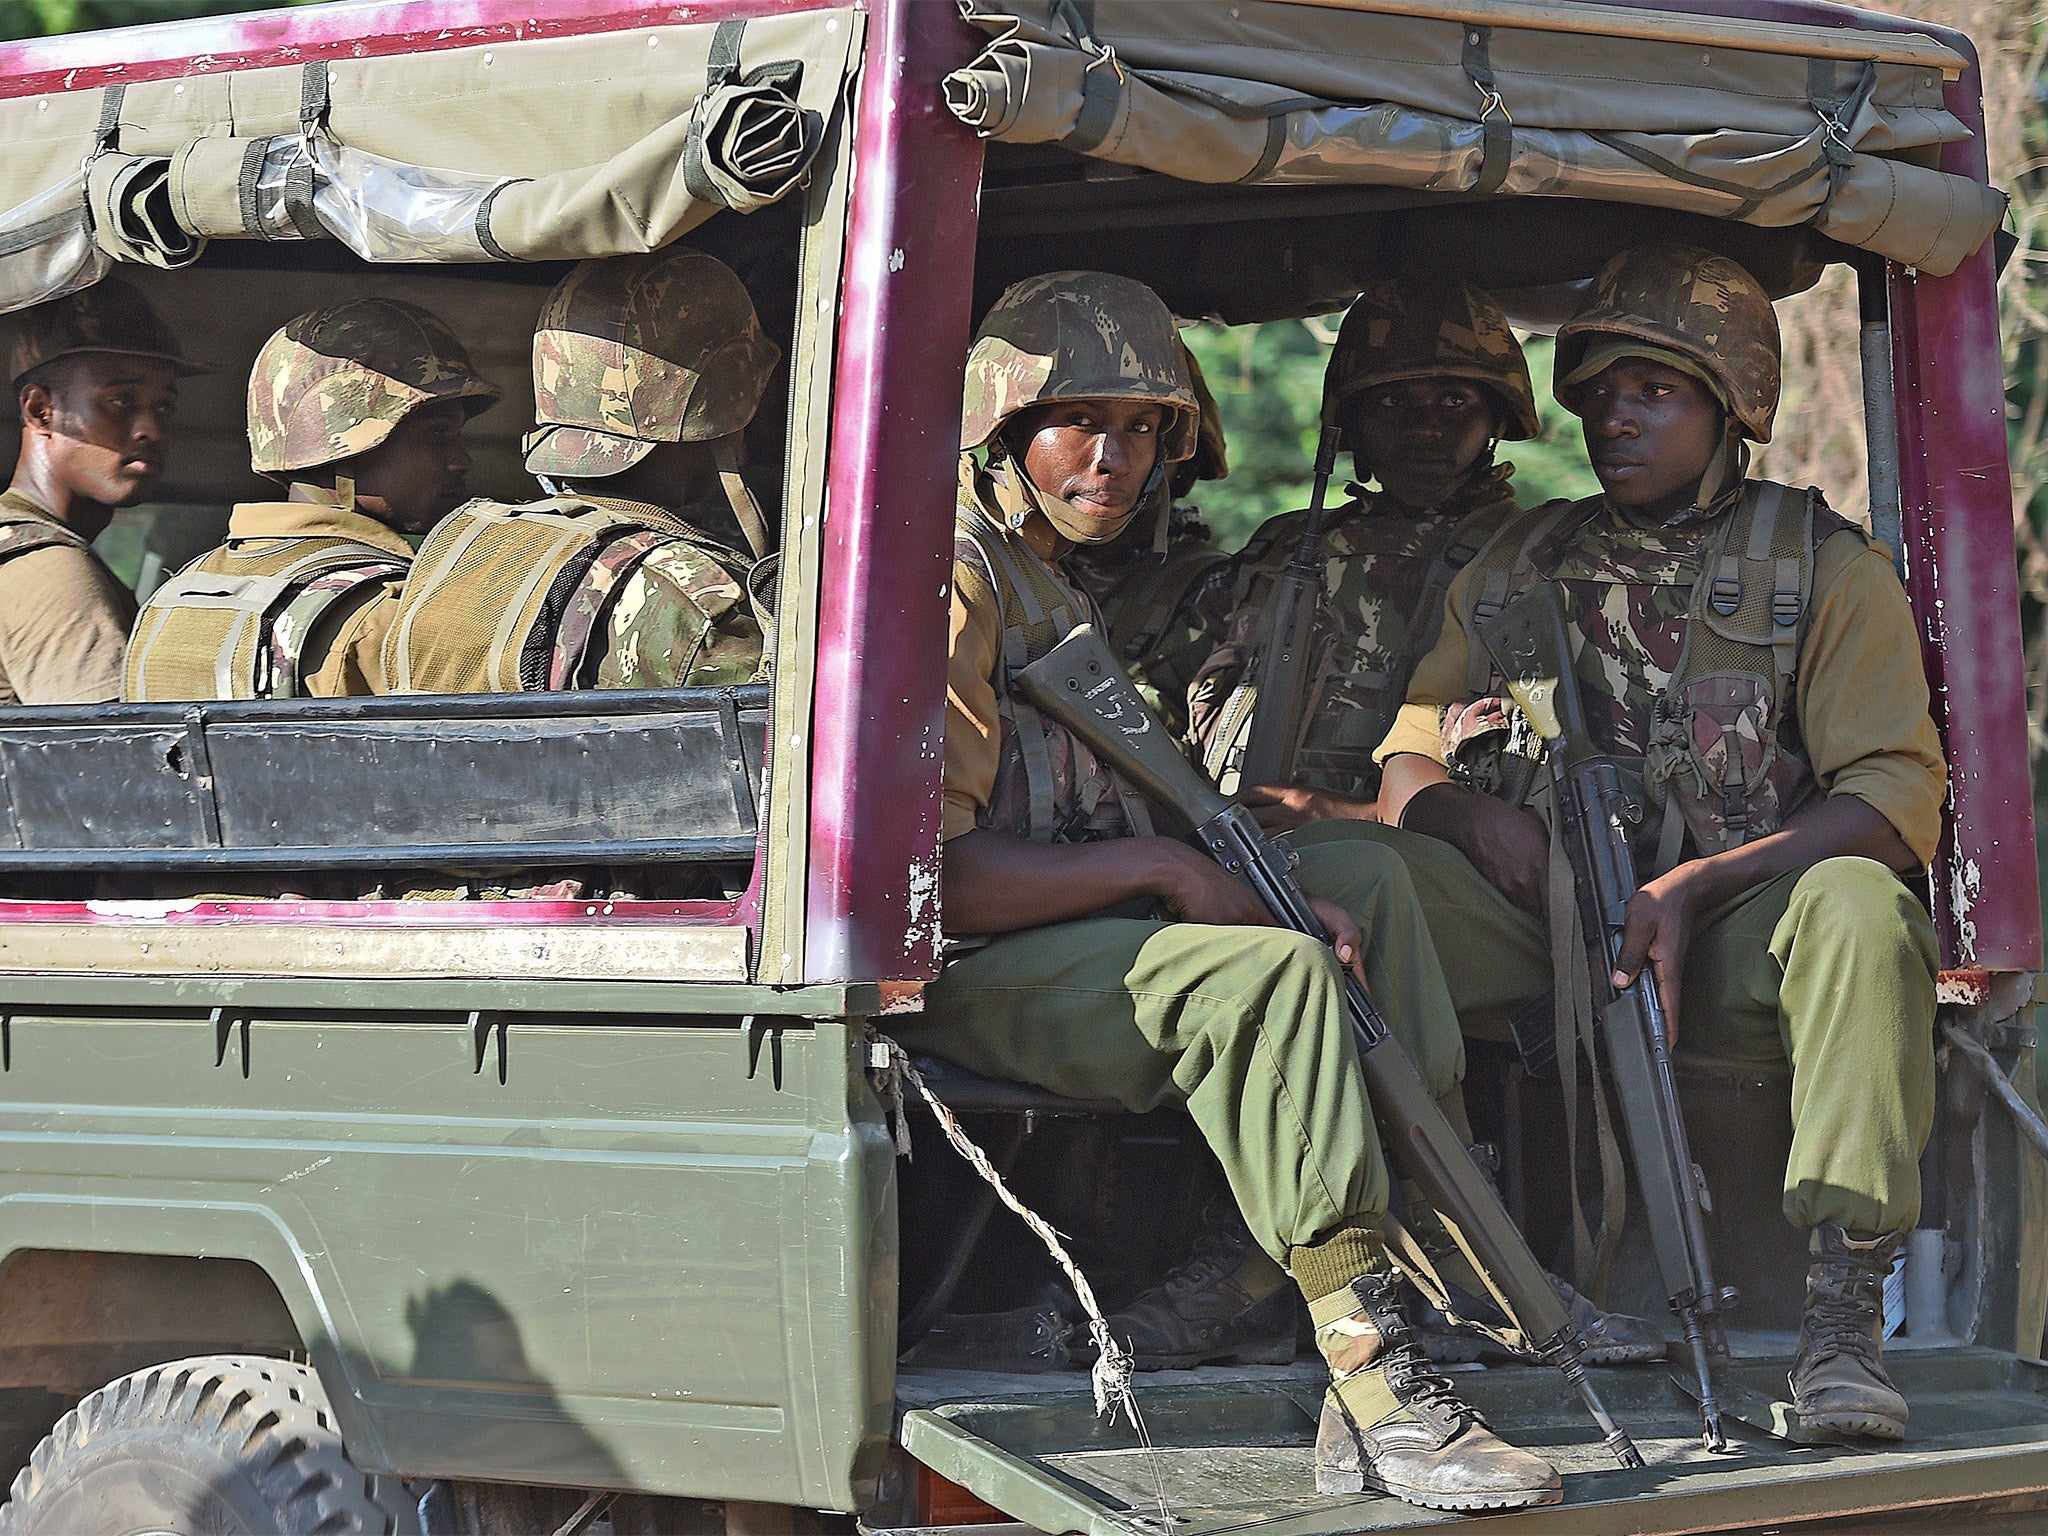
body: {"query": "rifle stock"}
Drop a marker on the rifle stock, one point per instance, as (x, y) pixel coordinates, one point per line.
(1531, 650)
(1079, 684)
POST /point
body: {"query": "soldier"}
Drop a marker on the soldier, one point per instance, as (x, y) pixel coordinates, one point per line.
(1120, 964)
(1154, 584)
(1779, 814)
(1424, 382)
(96, 377)
(357, 409)
(645, 371)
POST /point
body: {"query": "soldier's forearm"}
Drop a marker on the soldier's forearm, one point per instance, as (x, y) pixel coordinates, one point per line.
(995, 883)
(1835, 827)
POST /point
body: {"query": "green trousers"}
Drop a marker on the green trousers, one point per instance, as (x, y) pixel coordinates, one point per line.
(1830, 968)
(1244, 1026)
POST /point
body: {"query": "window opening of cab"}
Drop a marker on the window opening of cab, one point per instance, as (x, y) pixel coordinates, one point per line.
(601, 327)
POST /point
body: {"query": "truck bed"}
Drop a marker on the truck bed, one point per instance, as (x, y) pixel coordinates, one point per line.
(1232, 1448)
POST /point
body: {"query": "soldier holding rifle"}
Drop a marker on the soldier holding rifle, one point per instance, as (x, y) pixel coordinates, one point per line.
(1120, 964)
(1751, 656)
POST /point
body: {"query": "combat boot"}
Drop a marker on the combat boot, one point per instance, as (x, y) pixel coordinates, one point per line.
(1228, 1301)
(1391, 1424)
(1838, 1379)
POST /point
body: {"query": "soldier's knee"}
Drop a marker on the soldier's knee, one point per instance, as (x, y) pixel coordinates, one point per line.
(1860, 899)
(1355, 873)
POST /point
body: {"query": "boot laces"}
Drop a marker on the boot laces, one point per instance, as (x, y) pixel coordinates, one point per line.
(1842, 1319)
(1425, 1391)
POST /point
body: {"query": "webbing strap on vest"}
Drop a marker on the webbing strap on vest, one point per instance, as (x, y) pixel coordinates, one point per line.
(1007, 562)
(1009, 581)
(1499, 576)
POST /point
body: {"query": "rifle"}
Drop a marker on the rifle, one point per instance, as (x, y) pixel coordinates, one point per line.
(1283, 664)
(1079, 684)
(1531, 650)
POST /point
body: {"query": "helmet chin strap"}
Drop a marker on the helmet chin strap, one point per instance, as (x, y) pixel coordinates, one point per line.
(1723, 477)
(1069, 524)
(739, 495)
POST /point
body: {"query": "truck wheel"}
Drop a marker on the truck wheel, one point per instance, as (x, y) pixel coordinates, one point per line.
(221, 1445)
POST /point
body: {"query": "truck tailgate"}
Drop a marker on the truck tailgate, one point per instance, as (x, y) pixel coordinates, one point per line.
(1231, 1450)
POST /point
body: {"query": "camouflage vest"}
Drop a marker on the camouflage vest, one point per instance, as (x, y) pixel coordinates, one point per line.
(506, 599)
(1153, 609)
(1687, 657)
(1049, 787)
(235, 625)
(1380, 612)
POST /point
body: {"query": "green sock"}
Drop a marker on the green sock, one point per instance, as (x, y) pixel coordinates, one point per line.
(1347, 1251)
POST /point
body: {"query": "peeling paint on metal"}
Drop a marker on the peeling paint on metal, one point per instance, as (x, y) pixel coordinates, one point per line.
(1965, 886)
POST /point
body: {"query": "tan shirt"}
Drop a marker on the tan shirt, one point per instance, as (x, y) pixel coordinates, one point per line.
(343, 661)
(974, 726)
(64, 619)
(1861, 695)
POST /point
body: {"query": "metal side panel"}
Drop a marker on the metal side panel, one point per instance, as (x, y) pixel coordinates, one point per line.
(619, 1251)
(1232, 1450)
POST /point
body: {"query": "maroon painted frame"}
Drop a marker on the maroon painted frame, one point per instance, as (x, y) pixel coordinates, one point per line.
(906, 311)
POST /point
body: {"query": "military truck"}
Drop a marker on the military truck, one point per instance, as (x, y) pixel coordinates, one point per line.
(573, 1199)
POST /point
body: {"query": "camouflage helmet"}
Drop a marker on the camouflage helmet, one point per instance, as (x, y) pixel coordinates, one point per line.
(1079, 336)
(1402, 329)
(110, 316)
(334, 382)
(1681, 299)
(633, 351)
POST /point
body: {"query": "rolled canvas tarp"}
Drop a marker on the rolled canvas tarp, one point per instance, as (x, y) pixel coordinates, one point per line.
(547, 150)
(1769, 126)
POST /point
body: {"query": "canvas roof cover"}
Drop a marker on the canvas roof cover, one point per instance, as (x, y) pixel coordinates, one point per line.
(1765, 123)
(544, 149)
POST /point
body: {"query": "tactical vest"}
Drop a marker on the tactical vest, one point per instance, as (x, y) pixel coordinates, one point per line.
(243, 634)
(22, 533)
(1049, 786)
(1687, 655)
(507, 599)
(1154, 615)
(1350, 710)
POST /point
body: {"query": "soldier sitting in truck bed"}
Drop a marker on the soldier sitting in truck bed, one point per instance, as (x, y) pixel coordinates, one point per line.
(357, 409)
(646, 369)
(1423, 383)
(1754, 656)
(95, 375)
(1118, 964)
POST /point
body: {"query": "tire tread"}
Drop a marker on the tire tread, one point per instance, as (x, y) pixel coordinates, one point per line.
(269, 1417)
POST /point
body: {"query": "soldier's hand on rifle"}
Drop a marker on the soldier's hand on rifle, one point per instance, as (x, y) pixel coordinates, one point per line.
(1344, 935)
(1283, 807)
(1196, 889)
(1657, 929)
